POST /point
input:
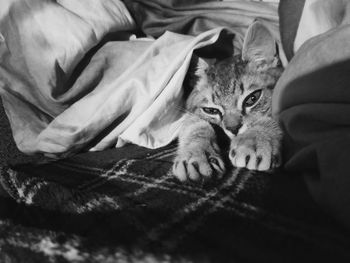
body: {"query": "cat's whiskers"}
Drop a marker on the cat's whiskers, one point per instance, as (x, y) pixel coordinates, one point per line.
(185, 111)
(180, 124)
(181, 109)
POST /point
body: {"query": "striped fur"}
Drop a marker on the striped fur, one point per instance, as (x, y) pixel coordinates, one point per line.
(233, 96)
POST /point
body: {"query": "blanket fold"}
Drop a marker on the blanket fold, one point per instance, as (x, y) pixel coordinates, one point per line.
(65, 91)
(197, 16)
(312, 101)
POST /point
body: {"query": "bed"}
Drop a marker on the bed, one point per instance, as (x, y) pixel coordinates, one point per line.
(94, 91)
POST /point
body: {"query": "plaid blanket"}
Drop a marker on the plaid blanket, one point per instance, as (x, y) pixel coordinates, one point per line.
(124, 205)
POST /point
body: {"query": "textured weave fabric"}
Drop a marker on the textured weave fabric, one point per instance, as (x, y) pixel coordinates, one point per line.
(124, 204)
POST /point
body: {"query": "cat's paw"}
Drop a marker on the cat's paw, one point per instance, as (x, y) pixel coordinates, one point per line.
(198, 162)
(255, 152)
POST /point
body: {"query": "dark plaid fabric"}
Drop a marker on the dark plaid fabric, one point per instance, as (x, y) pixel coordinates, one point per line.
(124, 205)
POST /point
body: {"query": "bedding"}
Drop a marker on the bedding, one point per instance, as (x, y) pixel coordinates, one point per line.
(311, 100)
(123, 203)
(84, 92)
(93, 207)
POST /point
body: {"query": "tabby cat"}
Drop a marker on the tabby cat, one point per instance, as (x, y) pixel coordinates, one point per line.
(234, 96)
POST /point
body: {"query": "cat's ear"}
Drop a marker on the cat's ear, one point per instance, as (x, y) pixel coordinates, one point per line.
(259, 44)
(202, 65)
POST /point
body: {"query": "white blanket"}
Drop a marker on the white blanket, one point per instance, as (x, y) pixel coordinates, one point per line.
(66, 89)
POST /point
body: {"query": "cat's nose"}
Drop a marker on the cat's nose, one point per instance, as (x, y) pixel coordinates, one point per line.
(233, 123)
(234, 129)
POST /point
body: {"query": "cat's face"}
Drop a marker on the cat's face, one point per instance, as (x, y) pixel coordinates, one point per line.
(233, 94)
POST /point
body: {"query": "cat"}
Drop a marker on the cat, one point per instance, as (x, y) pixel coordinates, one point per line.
(232, 95)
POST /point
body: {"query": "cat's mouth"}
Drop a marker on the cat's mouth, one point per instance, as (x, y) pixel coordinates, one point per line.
(231, 133)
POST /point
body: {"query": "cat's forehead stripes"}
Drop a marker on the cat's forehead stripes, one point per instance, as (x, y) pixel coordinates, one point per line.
(228, 100)
(256, 80)
(225, 82)
(205, 100)
(228, 83)
(241, 88)
(225, 74)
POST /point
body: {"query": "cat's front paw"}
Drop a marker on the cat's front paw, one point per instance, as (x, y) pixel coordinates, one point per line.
(197, 162)
(255, 152)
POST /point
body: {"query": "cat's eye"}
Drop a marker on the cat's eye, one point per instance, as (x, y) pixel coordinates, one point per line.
(211, 111)
(252, 98)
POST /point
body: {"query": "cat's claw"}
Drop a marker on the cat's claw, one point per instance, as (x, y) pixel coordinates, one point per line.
(255, 153)
(194, 166)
